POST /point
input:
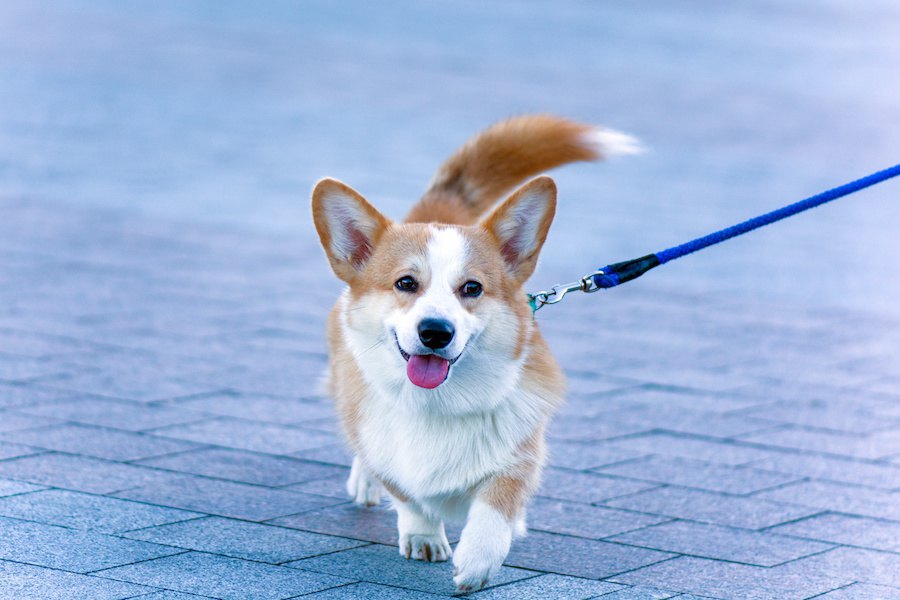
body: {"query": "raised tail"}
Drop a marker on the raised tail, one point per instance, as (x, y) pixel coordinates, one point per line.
(506, 154)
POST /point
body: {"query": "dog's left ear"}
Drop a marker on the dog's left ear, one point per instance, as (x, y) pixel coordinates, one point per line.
(521, 223)
(349, 227)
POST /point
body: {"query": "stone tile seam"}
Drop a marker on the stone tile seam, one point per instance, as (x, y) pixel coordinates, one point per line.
(824, 512)
(737, 442)
(700, 489)
(833, 546)
(712, 523)
(691, 522)
(159, 469)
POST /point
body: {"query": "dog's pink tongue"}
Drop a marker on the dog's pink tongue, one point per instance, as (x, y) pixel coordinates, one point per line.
(427, 370)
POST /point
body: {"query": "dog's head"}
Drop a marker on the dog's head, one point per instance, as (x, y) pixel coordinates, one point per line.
(435, 306)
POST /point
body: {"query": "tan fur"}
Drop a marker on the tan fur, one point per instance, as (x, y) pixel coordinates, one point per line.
(509, 492)
(443, 206)
(390, 260)
(394, 490)
(345, 382)
(495, 161)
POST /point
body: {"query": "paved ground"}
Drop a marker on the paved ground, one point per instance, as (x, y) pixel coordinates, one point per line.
(162, 299)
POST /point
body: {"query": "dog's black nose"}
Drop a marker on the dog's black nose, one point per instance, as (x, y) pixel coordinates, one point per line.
(435, 333)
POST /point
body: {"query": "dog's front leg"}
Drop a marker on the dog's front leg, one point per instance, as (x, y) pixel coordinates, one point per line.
(422, 537)
(496, 515)
(363, 487)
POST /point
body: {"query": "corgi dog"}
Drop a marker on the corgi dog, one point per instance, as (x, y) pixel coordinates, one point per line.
(441, 378)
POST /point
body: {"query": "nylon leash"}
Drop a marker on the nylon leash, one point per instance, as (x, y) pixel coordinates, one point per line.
(618, 273)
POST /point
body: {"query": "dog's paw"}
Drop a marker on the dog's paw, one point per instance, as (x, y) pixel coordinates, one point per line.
(473, 567)
(430, 548)
(482, 547)
(362, 487)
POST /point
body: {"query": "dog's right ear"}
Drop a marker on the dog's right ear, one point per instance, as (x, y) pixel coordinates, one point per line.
(349, 227)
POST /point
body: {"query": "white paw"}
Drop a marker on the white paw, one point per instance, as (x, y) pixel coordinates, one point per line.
(430, 548)
(362, 487)
(482, 547)
(473, 566)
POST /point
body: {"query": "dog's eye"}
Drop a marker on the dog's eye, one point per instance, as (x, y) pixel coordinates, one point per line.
(406, 284)
(471, 289)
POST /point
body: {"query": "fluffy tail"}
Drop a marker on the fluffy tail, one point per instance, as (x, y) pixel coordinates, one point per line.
(503, 156)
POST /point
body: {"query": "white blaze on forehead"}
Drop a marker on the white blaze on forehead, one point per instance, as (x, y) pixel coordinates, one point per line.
(446, 255)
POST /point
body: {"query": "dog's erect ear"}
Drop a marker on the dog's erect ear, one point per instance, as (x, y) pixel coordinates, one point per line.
(349, 227)
(521, 223)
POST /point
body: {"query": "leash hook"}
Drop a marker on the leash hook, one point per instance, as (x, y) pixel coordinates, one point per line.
(555, 294)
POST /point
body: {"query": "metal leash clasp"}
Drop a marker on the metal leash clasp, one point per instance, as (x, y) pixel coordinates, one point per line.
(558, 292)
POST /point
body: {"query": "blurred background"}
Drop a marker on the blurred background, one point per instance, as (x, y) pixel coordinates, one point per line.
(228, 111)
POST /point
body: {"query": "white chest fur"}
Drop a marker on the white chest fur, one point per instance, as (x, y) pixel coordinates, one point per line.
(431, 455)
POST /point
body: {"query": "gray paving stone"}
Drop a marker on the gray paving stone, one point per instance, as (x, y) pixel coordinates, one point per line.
(9, 487)
(384, 565)
(225, 498)
(819, 414)
(863, 591)
(335, 487)
(222, 577)
(665, 444)
(249, 435)
(581, 456)
(13, 421)
(246, 467)
(21, 395)
(729, 580)
(98, 442)
(708, 507)
(22, 369)
(37, 345)
(877, 445)
(142, 387)
(70, 550)
(708, 423)
(88, 512)
(850, 564)
(848, 499)
(16, 450)
(171, 596)
(699, 474)
(577, 428)
(117, 414)
(239, 539)
(580, 520)
(28, 582)
(373, 591)
(879, 475)
(549, 586)
(641, 592)
(346, 520)
(847, 530)
(578, 557)
(722, 543)
(334, 454)
(265, 409)
(79, 473)
(586, 487)
(293, 378)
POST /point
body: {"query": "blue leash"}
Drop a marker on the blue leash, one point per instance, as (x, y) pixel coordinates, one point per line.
(618, 273)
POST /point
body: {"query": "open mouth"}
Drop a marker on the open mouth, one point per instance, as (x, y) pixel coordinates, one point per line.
(426, 370)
